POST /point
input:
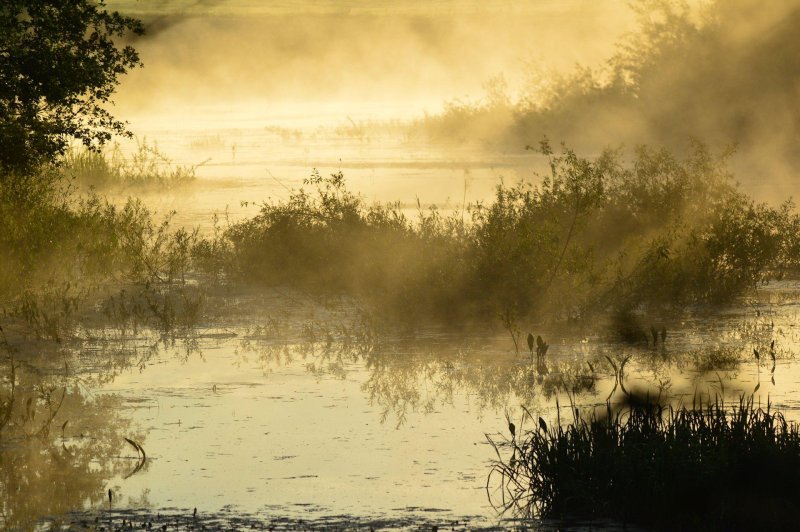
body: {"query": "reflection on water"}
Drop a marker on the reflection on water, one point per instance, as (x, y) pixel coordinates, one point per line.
(59, 444)
(312, 413)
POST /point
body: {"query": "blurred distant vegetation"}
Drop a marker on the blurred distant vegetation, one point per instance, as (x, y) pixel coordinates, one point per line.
(147, 167)
(720, 71)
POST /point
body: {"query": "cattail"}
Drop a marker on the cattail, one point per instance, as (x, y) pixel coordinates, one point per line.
(543, 425)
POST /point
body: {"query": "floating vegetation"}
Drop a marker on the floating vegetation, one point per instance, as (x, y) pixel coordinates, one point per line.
(712, 466)
(175, 520)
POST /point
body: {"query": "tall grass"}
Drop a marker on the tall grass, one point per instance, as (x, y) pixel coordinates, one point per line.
(56, 236)
(714, 467)
(60, 252)
(145, 167)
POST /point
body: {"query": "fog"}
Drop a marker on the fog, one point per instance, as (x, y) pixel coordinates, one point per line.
(720, 72)
(343, 54)
(591, 74)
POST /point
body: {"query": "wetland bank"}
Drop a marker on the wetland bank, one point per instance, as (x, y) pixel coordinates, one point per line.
(304, 296)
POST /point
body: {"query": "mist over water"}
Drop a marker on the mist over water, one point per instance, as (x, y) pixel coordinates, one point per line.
(263, 94)
(226, 66)
(591, 74)
(341, 53)
(389, 270)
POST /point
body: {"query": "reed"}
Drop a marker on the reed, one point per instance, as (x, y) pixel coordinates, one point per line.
(146, 167)
(708, 466)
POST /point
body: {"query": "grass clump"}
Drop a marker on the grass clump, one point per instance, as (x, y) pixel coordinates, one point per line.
(51, 235)
(145, 167)
(716, 466)
(61, 253)
(330, 242)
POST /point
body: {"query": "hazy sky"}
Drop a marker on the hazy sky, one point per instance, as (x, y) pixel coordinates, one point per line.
(222, 7)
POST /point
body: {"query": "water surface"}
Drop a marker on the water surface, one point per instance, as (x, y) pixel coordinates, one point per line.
(291, 417)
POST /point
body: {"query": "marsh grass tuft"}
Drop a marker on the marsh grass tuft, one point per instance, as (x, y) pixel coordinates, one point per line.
(61, 253)
(712, 466)
(146, 167)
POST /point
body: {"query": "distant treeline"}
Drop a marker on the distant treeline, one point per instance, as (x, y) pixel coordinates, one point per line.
(723, 73)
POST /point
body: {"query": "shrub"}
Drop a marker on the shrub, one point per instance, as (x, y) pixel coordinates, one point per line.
(61, 252)
(597, 233)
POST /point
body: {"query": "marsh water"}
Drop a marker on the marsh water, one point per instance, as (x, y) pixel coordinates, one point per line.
(320, 423)
(285, 410)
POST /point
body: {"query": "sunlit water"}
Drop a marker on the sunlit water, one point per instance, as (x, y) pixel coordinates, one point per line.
(254, 421)
(279, 440)
(246, 155)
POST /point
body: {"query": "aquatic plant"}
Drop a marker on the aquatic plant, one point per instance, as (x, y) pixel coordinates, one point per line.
(146, 167)
(50, 234)
(705, 467)
(62, 253)
(168, 309)
(329, 242)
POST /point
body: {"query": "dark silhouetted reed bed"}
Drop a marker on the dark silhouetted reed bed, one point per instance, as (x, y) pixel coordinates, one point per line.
(712, 466)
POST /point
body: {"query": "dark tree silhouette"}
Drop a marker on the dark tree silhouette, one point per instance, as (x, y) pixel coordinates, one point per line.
(60, 61)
